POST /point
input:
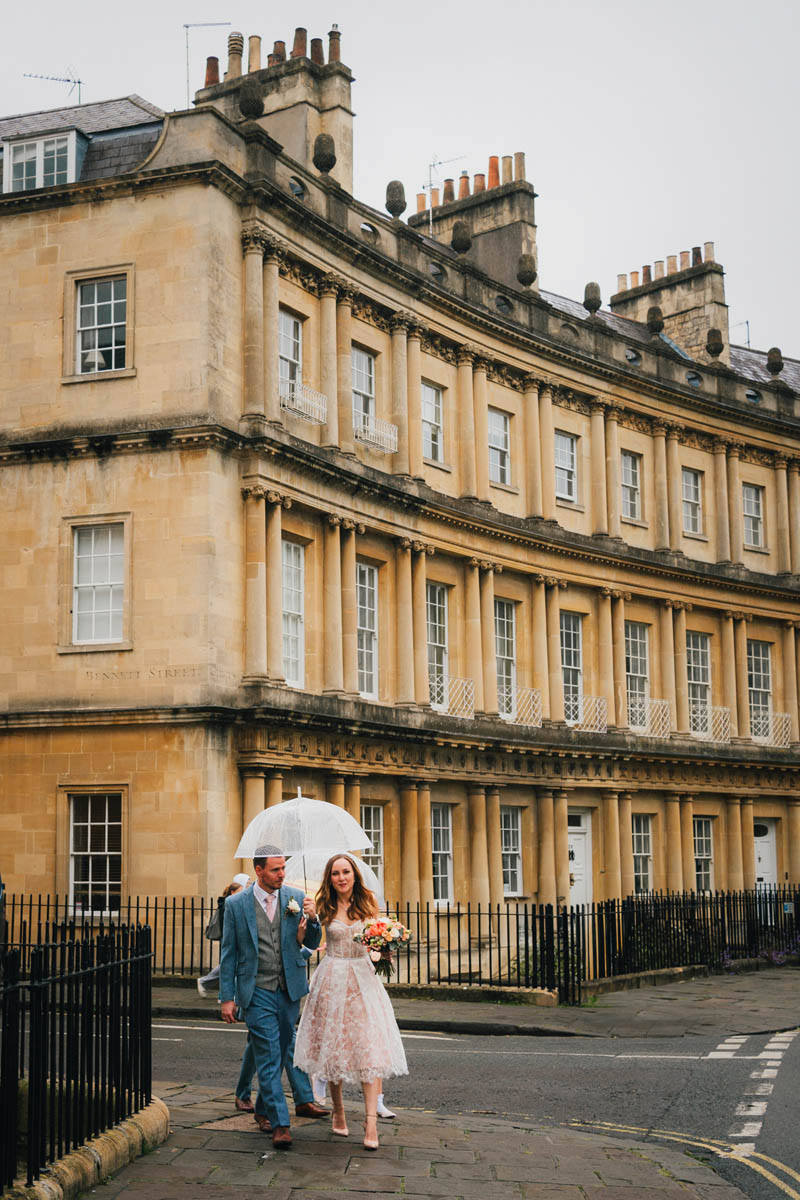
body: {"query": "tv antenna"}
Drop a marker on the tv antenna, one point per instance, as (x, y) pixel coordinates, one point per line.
(746, 325)
(71, 79)
(433, 165)
(197, 25)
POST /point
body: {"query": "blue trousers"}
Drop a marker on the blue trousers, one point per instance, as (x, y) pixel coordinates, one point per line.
(271, 1018)
(298, 1080)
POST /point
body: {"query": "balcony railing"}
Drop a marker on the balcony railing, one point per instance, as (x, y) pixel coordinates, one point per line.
(774, 729)
(376, 434)
(709, 724)
(302, 401)
(649, 717)
(455, 697)
(586, 713)
(520, 706)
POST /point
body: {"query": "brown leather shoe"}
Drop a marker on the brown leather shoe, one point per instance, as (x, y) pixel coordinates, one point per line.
(243, 1105)
(281, 1137)
(263, 1123)
(310, 1109)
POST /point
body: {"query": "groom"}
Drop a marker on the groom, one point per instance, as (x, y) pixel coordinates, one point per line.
(262, 969)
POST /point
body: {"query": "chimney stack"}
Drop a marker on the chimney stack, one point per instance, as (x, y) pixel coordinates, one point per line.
(634, 279)
(684, 260)
(708, 252)
(334, 45)
(279, 52)
(463, 185)
(494, 172)
(647, 274)
(253, 53)
(672, 264)
(519, 166)
(300, 47)
(449, 193)
(697, 256)
(317, 53)
(235, 51)
(434, 197)
(212, 72)
(622, 283)
(659, 265)
(479, 185)
(422, 202)
(507, 170)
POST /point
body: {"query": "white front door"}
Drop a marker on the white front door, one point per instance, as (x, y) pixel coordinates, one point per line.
(579, 838)
(764, 837)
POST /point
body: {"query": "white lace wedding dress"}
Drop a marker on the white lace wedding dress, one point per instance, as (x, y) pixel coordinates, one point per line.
(348, 1033)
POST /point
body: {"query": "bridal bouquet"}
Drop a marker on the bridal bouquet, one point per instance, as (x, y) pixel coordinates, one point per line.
(380, 936)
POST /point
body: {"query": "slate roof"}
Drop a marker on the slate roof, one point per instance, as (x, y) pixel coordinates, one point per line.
(99, 117)
(753, 365)
(118, 154)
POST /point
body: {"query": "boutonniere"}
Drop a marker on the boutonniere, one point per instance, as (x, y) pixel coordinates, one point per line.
(292, 908)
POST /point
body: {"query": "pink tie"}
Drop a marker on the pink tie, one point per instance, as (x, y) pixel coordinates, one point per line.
(272, 900)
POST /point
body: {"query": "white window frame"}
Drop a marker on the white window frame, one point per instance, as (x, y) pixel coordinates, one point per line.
(367, 629)
(692, 500)
(293, 611)
(90, 356)
(98, 583)
(499, 431)
(631, 485)
(372, 824)
(432, 422)
(363, 364)
(436, 620)
(571, 641)
(566, 466)
(698, 674)
(511, 849)
(102, 847)
(753, 516)
(759, 687)
(505, 643)
(637, 673)
(703, 837)
(642, 838)
(442, 853)
(290, 352)
(40, 147)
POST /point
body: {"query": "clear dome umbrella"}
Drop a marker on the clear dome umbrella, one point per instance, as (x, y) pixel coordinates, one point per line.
(300, 825)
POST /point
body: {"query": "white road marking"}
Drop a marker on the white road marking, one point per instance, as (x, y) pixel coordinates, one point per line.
(772, 1056)
(221, 1027)
(167, 1039)
(760, 1089)
(752, 1108)
(428, 1037)
(750, 1129)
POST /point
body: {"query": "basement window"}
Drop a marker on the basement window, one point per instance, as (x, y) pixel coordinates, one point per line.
(694, 379)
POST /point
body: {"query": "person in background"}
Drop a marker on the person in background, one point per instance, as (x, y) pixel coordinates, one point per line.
(215, 925)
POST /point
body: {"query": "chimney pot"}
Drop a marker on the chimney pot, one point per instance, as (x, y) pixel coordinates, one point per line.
(622, 283)
(697, 256)
(279, 50)
(235, 51)
(212, 71)
(508, 174)
(300, 47)
(272, 60)
(647, 276)
(434, 197)
(494, 172)
(519, 165)
(253, 53)
(479, 184)
(659, 265)
(463, 185)
(684, 260)
(634, 279)
(708, 251)
(449, 192)
(672, 264)
(421, 202)
(317, 52)
(334, 45)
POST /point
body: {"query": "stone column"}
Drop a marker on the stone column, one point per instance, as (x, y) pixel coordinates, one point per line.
(735, 863)
(660, 482)
(556, 678)
(419, 594)
(399, 324)
(478, 845)
(473, 630)
(605, 650)
(344, 367)
(405, 623)
(255, 540)
(414, 353)
(667, 647)
(790, 676)
(327, 359)
(273, 257)
(465, 435)
(681, 670)
(488, 643)
(561, 846)
(782, 521)
(619, 713)
(349, 608)
(729, 672)
(541, 678)
(794, 841)
(253, 795)
(613, 473)
(748, 845)
(546, 893)
(274, 788)
(674, 854)
(425, 839)
(533, 462)
(494, 846)
(674, 502)
(794, 515)
(742, 689)
(254, 240)
(735, 503)
(409, 828)
(334, 790)
(275, 505)
(480, 403)
(626, 844)
(687, 843)
(352, 797)
(721, 500)
(599, 491)
(332, 606)
(548, 452)
(611, 849)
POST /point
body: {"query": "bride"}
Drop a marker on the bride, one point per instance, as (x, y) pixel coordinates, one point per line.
(348, 1033)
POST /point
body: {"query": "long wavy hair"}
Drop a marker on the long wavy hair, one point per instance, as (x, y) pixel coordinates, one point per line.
(363, 904)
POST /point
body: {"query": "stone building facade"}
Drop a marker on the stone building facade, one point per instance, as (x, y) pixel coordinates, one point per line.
(297, 494)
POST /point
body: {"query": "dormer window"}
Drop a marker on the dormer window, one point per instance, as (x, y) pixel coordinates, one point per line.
(40, 162)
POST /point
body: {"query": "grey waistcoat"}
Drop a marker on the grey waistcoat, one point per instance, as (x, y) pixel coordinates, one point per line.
(270, 964)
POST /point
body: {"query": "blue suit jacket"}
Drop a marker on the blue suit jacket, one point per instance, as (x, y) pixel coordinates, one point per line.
(238, 962)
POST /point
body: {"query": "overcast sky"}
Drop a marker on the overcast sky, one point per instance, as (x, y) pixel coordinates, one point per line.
(647, 128)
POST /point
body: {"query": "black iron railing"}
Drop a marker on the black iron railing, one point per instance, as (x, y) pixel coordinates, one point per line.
(75, 1041)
